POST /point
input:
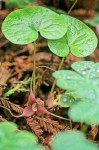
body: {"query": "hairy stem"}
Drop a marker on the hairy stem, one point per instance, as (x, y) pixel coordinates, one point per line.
(62, 61)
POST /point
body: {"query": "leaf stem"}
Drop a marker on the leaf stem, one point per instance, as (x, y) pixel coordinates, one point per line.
(33, 80)
(62, 61)
(54, 83)
(72, 6)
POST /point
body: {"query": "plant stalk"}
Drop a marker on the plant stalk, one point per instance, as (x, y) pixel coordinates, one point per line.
(62, 61)
(33, 81)
(54, 83)
(72, 6)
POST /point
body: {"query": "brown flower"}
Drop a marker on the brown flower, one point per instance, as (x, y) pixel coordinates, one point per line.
(34, 106)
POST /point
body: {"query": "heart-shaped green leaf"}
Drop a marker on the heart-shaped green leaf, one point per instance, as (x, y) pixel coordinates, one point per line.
(84, 82)
(85, 111)
(80, 39)
(72, 140)
(59, 46)
(22, 26)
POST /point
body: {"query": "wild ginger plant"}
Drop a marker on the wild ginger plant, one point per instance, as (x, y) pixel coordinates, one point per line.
(79, 39)
(64, 34)
(24, 25)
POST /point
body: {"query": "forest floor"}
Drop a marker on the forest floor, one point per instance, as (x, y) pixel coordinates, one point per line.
(16, 63)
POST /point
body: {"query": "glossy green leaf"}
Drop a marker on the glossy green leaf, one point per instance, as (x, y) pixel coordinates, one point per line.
(18, 27)
(52, 25)
(85, 111)
(72, 140)
(84, 82)
(80, 39)
(22, 26)
(59, 47)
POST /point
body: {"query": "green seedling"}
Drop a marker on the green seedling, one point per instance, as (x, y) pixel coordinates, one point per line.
(10, 138)
(82, 84)
(64, 33)
(79, 39)
(23, 26)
